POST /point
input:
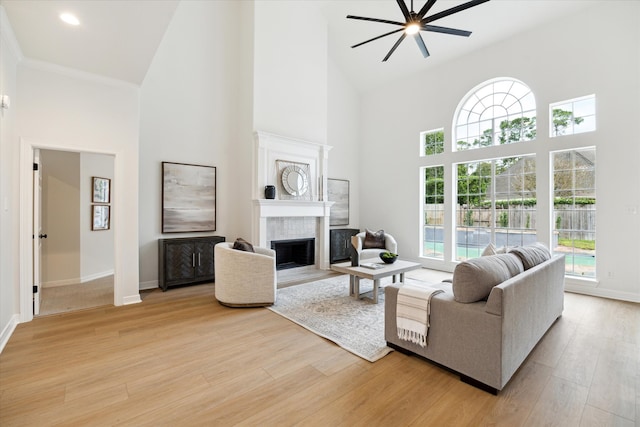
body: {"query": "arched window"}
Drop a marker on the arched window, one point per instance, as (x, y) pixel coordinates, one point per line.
(501, 111)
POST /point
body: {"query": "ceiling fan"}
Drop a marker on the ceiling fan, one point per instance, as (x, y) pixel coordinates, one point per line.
(416, 22)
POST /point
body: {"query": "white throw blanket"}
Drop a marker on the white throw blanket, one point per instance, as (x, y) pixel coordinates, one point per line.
(412, 312)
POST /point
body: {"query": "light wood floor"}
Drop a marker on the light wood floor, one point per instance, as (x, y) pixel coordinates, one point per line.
(181, 359)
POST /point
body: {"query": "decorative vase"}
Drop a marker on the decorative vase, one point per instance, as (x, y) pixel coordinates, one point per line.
(270, 191)
(355, 257)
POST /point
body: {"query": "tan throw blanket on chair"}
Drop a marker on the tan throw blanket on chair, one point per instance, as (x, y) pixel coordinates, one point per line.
(412, 312)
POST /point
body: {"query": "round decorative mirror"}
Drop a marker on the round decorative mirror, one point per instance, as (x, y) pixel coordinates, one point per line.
(295, 180)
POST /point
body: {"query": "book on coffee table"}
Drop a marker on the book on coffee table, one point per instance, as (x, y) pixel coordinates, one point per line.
(371, 265)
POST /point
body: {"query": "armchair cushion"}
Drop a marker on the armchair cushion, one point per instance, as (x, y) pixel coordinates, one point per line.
(242, 245)
(374, 240)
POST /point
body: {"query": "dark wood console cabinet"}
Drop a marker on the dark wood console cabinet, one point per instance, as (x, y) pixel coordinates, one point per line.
(340, 243)
(184, 261)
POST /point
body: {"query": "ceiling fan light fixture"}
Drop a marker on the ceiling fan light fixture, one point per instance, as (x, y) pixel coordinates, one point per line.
(412, 28)
(70, 19)
(415, 22)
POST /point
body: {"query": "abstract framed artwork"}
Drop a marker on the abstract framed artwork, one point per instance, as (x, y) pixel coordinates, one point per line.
(338, 192)
(100, 217)
(188, 198)
(101, 188)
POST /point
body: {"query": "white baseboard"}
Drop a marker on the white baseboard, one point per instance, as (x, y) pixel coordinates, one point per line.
(75, 281)
(131, 299)
(602, 293)
(151, 284)
(8, 331)
(96, 276)
(57, 283)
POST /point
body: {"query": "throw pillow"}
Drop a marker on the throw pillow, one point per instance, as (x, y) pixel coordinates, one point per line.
(532, 255)
(489, 250)
(373, 240)
(242, 245)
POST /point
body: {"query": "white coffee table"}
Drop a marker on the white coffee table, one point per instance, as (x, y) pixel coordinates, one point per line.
(356, 273)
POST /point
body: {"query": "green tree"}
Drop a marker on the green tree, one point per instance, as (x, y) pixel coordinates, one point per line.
(520, 129)
(434, 142)
(561, 119)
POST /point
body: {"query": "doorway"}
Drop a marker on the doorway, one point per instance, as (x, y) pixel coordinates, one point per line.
(76, 259)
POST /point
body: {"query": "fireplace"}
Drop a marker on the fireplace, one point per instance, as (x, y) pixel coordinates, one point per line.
(294, 253)
(288, 216)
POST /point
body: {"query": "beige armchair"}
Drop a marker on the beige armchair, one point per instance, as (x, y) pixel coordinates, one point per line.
(358, 242)
(245, 279)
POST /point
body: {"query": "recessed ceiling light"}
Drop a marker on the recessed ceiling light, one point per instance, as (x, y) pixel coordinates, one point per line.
(69, 18)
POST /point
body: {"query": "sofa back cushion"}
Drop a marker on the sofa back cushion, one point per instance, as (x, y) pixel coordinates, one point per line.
(473, 279)
(531, 255)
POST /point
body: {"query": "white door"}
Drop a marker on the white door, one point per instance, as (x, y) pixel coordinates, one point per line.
(37, 230)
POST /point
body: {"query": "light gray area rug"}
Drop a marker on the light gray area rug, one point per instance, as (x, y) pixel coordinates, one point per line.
(325, 308)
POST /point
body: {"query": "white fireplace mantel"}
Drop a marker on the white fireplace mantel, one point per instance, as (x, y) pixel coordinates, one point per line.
(279, 208)
(268, 149)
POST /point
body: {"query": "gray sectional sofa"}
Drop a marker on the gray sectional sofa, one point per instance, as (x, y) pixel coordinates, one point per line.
(485, 323)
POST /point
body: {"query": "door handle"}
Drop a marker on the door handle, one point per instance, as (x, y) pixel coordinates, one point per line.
(198, 259)
(42, 236)
(193, 260)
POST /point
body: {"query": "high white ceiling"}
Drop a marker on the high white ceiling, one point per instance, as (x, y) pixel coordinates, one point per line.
(119, 38)
(116, 38)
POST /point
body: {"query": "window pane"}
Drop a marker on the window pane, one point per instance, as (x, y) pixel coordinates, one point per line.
(573, 116)
(500, 112)
(433, 209)
(495, 203)
(432, 142)
(575, 210)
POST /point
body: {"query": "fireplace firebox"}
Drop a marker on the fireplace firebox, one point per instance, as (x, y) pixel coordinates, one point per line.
(294, 253)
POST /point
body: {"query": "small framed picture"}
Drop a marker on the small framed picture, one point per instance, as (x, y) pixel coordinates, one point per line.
(100, 217)
(101, 190)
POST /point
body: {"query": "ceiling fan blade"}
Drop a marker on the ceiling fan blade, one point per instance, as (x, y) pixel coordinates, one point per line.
(453, 10)
(379, 37)
(421, 45)
(445, 30)
(405, 11)
(395, 46)
(384, 21)
(427, 6)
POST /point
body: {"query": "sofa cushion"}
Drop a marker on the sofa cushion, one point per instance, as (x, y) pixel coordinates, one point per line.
(242, 245)
(473, 279)
(373, 240)
(532, 255)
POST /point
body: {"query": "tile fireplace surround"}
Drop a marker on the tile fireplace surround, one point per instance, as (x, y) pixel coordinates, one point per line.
(279, 218)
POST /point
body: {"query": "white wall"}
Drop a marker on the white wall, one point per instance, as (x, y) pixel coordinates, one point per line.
(596, 51)
(290, 70)
(10, 55)
(73, 111)
(343, 131)
(96, 246)
(194, 110)
(60, 217)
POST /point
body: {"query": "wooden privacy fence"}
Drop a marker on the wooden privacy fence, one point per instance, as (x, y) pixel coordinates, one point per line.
(580, 219)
